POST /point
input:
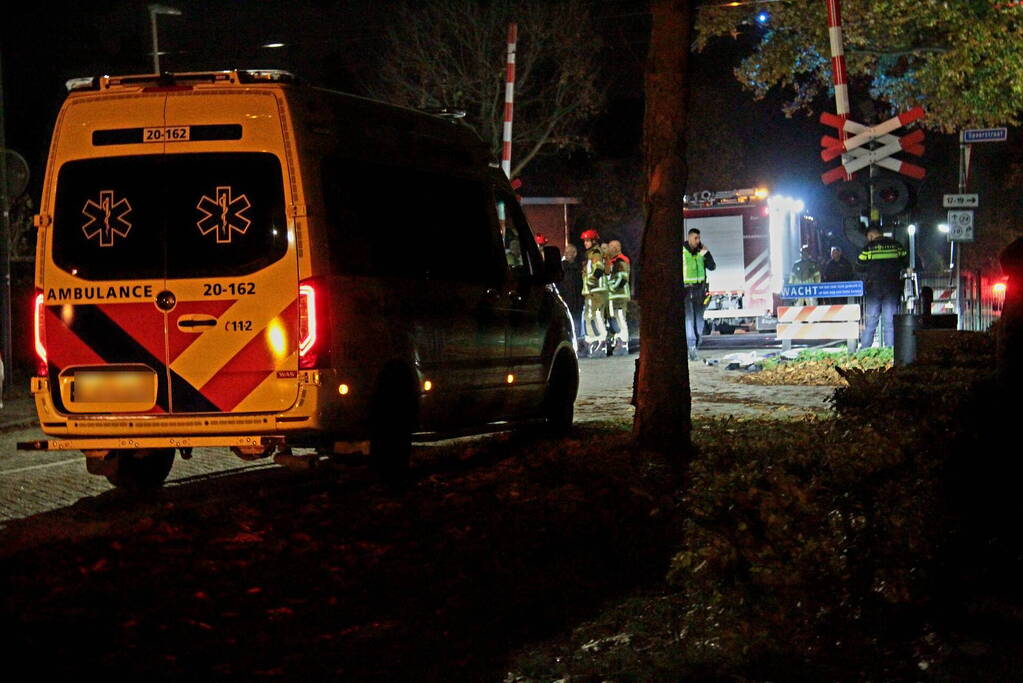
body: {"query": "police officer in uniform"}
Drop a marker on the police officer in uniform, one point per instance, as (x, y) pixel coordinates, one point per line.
(880, 264)
(619, 294)
(696, 261)
(594, 293)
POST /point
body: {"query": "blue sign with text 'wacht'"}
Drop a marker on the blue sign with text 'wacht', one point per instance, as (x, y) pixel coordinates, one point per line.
(808, 290)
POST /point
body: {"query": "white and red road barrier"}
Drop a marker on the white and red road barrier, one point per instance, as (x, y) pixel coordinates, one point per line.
(839, 321)
(854, 157)
(509, 100)
(838, 71)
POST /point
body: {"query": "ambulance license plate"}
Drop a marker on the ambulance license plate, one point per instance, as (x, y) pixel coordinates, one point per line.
(113, 387)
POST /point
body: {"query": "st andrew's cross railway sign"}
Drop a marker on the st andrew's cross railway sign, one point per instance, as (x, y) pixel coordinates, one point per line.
(856, 156)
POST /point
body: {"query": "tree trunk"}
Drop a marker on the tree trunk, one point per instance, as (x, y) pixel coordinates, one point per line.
(663, 402)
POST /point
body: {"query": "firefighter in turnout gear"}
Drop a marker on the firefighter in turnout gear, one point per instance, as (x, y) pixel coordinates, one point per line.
(619, 294)
(880, 264)
(594, 293)
(696, 261)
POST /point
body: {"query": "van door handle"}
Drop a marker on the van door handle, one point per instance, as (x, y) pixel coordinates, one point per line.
(195, 322)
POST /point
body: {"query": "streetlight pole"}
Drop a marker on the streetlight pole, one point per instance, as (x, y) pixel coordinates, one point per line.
(154, 10)
(957, 247)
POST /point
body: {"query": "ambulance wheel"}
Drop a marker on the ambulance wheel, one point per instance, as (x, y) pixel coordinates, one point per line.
(392, 421)
(141, 469)
(559, 398)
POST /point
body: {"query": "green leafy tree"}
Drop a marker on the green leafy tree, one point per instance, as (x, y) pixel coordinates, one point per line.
(452, 53)
(962, 60)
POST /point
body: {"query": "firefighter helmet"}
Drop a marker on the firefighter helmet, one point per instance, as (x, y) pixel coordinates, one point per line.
(590, 234)
(541, 241)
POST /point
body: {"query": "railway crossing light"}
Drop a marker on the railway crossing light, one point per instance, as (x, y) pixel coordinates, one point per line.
(892, 196)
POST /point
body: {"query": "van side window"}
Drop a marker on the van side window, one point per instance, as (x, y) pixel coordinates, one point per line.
(389, 221)
(520, 250)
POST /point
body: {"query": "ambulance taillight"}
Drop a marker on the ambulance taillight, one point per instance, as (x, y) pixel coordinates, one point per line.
(38, 310)
(313, 328)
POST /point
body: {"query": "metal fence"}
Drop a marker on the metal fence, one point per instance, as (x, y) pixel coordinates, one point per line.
(981, 304)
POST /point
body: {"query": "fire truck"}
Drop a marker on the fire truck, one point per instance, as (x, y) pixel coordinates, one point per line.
(755, 238)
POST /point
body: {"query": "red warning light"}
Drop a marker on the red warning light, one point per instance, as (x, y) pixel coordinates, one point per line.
(38, 311)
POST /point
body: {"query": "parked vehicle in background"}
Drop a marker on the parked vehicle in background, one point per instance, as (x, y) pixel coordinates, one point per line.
(234, 259)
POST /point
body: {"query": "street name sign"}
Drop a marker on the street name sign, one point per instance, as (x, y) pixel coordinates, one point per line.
(960, 226)
(972, 135)
(822, 289)
(961, 201)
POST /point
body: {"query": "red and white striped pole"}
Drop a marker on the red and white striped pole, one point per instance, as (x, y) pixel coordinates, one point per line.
(838, 72)
(509, 100)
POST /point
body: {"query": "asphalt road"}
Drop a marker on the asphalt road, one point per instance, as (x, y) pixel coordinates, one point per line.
(38, 482)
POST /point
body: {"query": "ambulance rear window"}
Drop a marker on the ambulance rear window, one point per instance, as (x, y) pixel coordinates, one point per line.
(175, 216)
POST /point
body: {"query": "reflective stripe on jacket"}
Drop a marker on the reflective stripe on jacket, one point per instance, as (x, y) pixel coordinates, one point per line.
(881, 263)
(618, 279)
(594, 281)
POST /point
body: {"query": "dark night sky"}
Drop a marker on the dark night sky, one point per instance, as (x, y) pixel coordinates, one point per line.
(330, 43)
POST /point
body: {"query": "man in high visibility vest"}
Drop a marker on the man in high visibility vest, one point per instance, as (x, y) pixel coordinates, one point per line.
(805, 270)
(880, 264)
(696, 261)
(594, 293)
(619, 294)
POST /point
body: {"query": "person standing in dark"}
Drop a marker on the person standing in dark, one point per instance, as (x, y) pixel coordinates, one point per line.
(571, 287)
(838, 268)
(696, 261)
(619, 293)
(880, 264)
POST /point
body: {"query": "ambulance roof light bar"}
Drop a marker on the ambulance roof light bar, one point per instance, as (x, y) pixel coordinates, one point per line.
(233, 76)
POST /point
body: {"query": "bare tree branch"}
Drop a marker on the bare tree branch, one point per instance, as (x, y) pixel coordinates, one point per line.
(451, 53)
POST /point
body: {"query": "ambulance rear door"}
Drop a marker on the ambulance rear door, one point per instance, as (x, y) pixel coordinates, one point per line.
(103, 262)
(231, 257)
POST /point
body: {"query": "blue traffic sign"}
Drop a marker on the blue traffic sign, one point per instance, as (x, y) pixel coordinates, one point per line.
(986, 135)
(806, 290)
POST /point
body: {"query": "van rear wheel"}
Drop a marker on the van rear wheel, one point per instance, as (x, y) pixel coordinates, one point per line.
(559, 399)
(392, 420)
(140, 469)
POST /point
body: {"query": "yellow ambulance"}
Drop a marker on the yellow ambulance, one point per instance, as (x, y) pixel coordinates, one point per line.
(235, 259)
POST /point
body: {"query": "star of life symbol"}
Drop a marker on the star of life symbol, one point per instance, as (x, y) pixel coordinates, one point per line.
(223, 214)
(106, 218)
